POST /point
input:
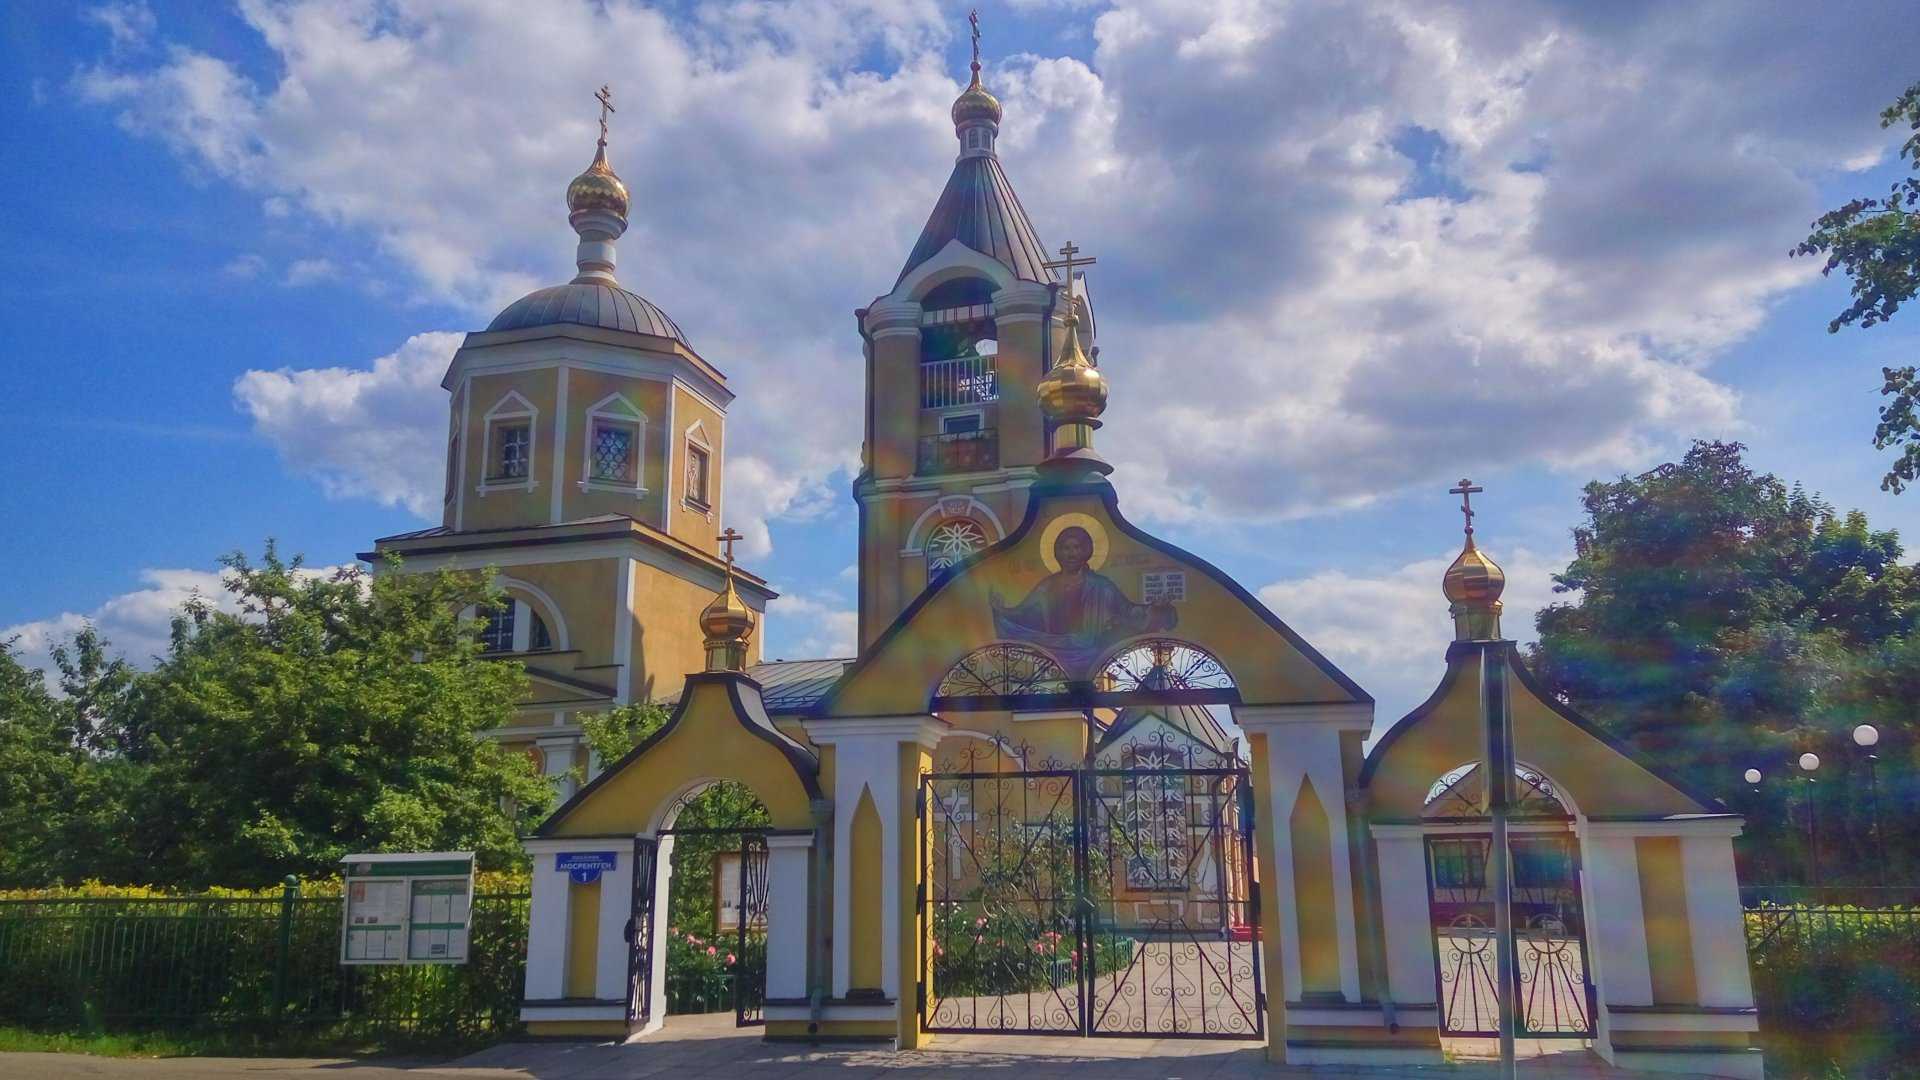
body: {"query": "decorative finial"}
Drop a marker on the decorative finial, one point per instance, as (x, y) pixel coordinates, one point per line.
(1467, 490)
(727, 622)
(973, 20)
(976, 113)
(1073, 393)
(1473, 583)
(597, 206)
(605, 97)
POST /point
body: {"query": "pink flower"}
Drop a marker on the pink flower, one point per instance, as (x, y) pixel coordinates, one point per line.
(938, 951)
(711, 951)
(979, 922)
(729, 959)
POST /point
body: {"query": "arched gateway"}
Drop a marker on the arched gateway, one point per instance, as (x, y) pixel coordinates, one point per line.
(1079, 781)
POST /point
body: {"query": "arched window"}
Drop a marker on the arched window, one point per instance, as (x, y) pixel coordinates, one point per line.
(1003, 670)
(1163, 664)
(950, 542)
(514, 626)
(497, 634)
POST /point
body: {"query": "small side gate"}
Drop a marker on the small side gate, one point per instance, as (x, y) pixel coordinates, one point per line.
(743, 898)
(1549, 936)
(1091, 901)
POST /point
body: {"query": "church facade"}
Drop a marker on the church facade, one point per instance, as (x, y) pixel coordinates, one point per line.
(1077, 781)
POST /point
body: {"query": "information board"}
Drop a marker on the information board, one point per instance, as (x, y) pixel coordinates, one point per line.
(406, 908)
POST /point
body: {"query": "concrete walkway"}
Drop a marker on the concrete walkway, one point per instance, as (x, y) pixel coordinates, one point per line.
(711, 1048)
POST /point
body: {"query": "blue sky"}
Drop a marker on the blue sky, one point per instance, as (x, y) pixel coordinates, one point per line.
(1348, 253)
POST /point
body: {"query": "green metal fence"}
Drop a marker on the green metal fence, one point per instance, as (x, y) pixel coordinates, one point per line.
(221, 962)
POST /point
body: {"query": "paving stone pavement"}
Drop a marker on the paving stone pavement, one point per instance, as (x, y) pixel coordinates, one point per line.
(711, 1048)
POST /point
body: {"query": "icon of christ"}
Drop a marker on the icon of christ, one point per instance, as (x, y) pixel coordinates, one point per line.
(1076, 612)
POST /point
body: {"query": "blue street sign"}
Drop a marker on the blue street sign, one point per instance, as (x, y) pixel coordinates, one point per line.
(583, 867)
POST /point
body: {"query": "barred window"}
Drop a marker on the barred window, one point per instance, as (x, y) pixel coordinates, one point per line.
(613, 452)
(515, 448)
(497, 634)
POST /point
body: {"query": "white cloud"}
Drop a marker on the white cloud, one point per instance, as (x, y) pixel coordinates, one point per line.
(136, 624)
(374, 433)
(244, 266)
(310, 271)
(803, 625)
(1296, 316)
(1390, 631)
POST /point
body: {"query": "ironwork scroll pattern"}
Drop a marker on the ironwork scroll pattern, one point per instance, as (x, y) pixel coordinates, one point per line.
(1003, 670)
(1163, 664)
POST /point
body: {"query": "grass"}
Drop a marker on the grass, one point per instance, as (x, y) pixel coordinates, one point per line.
(168, 1044)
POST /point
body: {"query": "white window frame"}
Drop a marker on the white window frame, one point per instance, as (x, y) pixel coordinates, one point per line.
(696, 438)
(615, 409)
(510, 411)
(953, 412)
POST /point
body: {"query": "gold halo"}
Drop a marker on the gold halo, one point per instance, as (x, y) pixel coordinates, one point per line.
(1060, 524)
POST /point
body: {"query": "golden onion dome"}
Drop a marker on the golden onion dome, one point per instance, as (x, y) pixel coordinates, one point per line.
(727, 618)
(1473, 578)
(598, 188)
(975, 103)
(1073, 389)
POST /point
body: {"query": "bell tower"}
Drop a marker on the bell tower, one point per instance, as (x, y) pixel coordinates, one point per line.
(953, 352)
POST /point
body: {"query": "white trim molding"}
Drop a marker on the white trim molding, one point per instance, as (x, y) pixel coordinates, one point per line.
(521, 409)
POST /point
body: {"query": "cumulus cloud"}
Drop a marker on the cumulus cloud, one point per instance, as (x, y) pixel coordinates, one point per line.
(376, 433)
(1389, 631)
(802, 625)
(1297, 313)
(311, 271)
(136, 624)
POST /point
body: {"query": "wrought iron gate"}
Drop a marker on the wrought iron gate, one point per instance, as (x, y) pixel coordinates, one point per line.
(750, 973)
(1549, 931)
(639, 933)
(1091, 901)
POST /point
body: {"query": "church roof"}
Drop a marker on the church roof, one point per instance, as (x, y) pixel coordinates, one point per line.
(793, 686)
(588, 304)
(979, 209)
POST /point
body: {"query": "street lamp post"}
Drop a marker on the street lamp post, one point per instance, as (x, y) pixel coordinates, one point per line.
(1866, 737)
(1808, 763)
(1752, 777)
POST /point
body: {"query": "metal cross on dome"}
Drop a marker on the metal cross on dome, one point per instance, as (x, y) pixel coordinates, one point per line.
(1067, 260)
(973, 19)
(605, 96)
(728, 538)
(1467, 490)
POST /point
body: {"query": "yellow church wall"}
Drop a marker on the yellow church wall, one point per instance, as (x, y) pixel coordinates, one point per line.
(957, 618)
(587, 388)
(1311, 834)
(1663, 901)
(1271, 959)
(1599, 780)
(893, 381)
(667, 641)
(503, 507)
(690, 523)
(705, 742)
(583, 938)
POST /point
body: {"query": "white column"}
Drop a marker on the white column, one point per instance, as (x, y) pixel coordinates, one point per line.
(1616, 926)
(616, 907)
(1716, 921)
(547, 924)
(1403, 907)
(787, 858)
(662, 874)
(1303, 742)
(556, 754)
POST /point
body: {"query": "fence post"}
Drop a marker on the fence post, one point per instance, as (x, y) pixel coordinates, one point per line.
(289, 892)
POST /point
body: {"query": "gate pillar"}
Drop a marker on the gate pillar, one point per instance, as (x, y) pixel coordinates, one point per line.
(576, 982)
(787, 913)
(1407, 933)
(1320, 1011)
(876, 765)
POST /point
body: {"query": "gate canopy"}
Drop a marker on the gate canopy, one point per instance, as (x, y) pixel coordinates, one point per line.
(1077, 608)
(719, 731)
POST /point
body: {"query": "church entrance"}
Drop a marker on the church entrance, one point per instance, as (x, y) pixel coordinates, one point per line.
(1556, 993)
(1112, 898)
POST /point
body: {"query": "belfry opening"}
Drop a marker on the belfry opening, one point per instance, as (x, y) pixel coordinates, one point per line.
(1076, 780)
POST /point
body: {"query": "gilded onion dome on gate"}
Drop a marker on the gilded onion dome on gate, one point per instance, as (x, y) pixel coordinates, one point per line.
(975, 103)
(1072, 389)
(1473, 578)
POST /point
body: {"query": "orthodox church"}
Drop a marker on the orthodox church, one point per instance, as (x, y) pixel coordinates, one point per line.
(1022, 808)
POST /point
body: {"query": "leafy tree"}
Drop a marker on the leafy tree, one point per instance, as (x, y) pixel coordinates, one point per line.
(1877, 243)
(333, 713)
(1727, 621)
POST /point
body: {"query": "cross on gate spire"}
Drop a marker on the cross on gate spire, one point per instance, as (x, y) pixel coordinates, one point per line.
(1467, 490)
(727, 538)
(1067, 260)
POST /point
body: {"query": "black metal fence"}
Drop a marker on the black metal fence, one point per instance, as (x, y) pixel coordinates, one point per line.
(245, 962)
